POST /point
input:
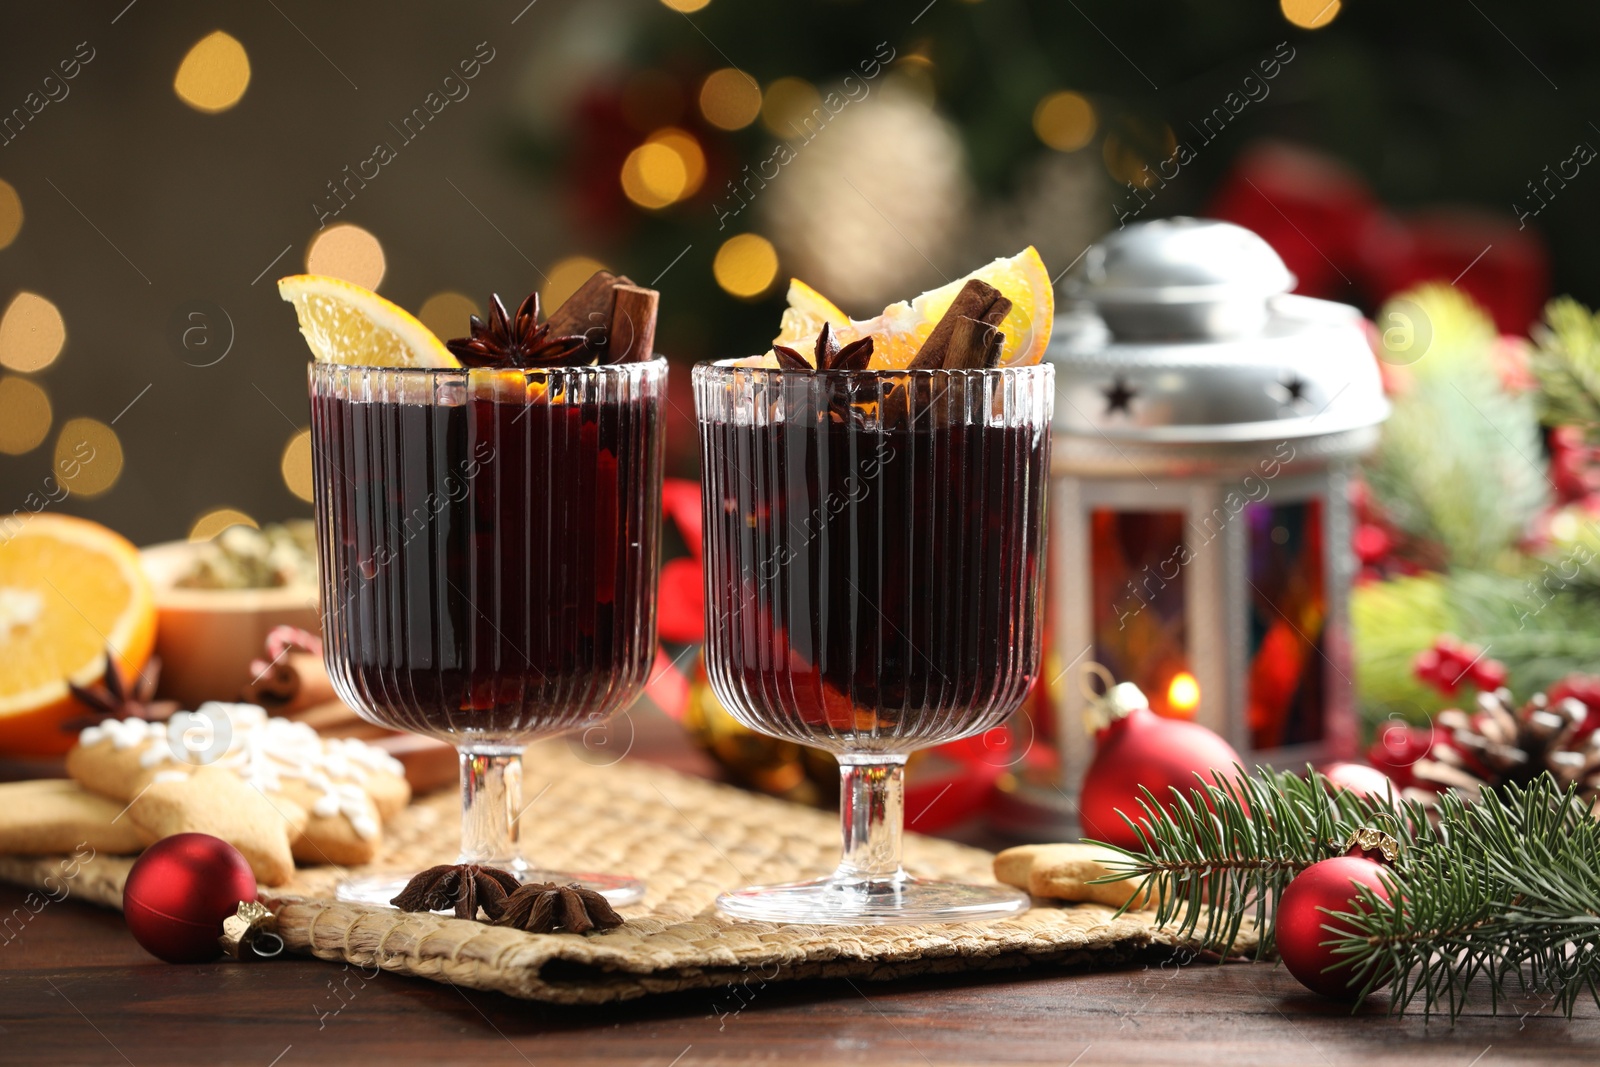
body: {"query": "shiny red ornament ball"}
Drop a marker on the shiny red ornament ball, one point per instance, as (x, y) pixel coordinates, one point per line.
(1360, 779)
(1149, 750)
(1329, 884)
(179, 892)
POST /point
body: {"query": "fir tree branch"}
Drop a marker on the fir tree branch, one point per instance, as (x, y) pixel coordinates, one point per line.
(1566, 360)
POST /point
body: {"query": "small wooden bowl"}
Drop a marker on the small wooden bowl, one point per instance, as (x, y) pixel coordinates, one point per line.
(206, 638)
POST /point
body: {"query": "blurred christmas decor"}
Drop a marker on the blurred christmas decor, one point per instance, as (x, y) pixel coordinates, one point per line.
(1478, 514)
(1207, 424)
(1495, 893)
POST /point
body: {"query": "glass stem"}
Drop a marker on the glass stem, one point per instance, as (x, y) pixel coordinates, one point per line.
(491, 801)
(872, 792)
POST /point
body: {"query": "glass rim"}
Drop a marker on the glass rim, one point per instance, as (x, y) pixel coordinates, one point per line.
(632, 367)
(718, 369)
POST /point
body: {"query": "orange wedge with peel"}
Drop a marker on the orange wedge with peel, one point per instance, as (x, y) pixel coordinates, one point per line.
(344, 323)
(70, 590)
(898, 333)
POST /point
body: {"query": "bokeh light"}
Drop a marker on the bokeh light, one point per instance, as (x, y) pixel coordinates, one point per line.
(1310, 14)
(1065, 121)
(216, 520)
(31, 333)
(296, 464)
(347, 251)
(1124, 163)
(690, 154)
(746, 265)
(788, 103)
(686, 5)
(1183, 694)
(447, 314)
(563, 279)
(88, 457)
(730, 99)
(214, 75)
(654, 176)
(10, 213)
(24, 415)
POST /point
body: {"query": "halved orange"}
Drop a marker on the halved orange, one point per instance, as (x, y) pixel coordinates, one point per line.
(70, 590)
(898, 333)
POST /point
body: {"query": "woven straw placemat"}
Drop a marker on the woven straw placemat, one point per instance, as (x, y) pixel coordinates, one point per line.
(689, 839)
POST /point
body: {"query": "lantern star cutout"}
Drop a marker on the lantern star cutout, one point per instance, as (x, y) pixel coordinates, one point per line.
(1291, 392)
(1120, 397)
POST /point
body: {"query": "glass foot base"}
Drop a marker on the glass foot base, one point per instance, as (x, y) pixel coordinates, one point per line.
(380, 888)
(890, 901)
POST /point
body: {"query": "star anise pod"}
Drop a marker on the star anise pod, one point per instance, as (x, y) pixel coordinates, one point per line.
(462, 886)
(828, 355)
(116, 696)
(518, 342)
(544, 908)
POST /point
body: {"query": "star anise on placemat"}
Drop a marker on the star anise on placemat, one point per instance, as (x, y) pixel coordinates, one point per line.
(519, 342)
(828, 355)
(116, 696)
(462, 886)
(545, 908)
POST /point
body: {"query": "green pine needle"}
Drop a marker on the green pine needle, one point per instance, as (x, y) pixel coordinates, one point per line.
(1502, 893)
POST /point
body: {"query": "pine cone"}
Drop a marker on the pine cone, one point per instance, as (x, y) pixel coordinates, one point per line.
(1498, 745)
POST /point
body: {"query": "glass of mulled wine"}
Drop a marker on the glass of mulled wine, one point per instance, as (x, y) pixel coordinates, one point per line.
(874, 544)
(488, 543)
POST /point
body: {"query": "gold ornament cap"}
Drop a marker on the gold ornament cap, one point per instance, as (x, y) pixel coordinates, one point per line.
(1117, 701)
(1368, 839)
(251, 933)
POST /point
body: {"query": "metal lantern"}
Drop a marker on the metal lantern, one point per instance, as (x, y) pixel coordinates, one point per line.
(1206, 425)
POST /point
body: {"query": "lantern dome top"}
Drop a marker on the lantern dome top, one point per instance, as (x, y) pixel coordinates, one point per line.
(1180, 333)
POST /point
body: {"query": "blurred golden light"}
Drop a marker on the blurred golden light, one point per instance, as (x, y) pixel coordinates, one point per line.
(746, 265)
(214, 75)
(1124, 163)
(345, 250)
(654, 176)
(31, 333)
(563, 279)
(1310, 14)
(216, 520)
(10, 213)
(24, 415)
(690, 154)
(730, 99)
(447, 314)
(296, 464)
(1184, 692)
(686, 6)
(788, 103)
(1064, 121)
(88, 457)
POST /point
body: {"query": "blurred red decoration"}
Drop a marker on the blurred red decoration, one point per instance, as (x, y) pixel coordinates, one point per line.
(1142, 750)
(1341, 243)
(681, 602)
(1360, 779)
(1449, 663)
(180, 891)
(1585, 689)
(1398, 748)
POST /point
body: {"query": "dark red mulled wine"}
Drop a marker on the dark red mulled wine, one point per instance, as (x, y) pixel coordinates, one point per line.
(488, 544)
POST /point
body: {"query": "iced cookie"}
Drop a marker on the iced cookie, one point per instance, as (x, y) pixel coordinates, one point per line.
(345, 788)
(54, 816)
(1067, 872)
(214, 801)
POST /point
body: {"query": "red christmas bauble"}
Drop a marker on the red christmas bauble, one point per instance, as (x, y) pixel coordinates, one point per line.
(1360, 779)
(1329, 884)
(180, 891)
(1144, 749)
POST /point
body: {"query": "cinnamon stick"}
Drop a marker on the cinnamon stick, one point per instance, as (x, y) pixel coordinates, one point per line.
(957, 342)
(632, 336)
(587, 308)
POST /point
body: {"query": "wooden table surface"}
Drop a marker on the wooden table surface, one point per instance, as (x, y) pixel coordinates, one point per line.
(76, 989)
